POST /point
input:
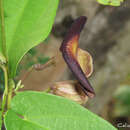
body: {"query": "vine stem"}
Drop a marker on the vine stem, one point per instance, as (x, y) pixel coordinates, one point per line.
(3, 66)
(11, 85)
(5, 94)
(38, 67)
(4, 100)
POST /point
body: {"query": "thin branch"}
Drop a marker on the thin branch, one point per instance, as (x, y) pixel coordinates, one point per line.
(38, 67)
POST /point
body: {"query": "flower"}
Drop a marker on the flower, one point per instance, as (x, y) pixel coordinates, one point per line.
(79, 62)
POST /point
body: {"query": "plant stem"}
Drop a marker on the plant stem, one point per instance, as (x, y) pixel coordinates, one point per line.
(5, 94)
(3, 38)
(6, 89)
(38, 67)
(10, 92)
(27, 74)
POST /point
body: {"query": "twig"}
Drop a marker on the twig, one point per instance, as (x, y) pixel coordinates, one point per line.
(38, 67)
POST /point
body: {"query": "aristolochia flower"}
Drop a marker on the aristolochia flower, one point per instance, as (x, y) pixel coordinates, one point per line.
(79, 62)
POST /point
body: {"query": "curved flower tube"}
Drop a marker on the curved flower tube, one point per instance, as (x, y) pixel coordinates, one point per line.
(70, 50)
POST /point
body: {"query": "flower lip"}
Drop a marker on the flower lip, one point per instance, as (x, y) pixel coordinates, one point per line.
(70, 56)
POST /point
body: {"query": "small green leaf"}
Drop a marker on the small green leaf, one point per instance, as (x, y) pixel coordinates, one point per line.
(123, 94)
(51, 112)
(111, 2)
(122, 104)
(27, 23)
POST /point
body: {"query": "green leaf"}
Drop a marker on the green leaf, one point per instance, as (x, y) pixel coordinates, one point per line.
(122, 104)
(27, 23)
(51, 112)
(123, 94)
(20, 124)
(111, 2)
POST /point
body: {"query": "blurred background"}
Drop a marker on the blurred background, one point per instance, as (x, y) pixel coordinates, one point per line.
(106, 37)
